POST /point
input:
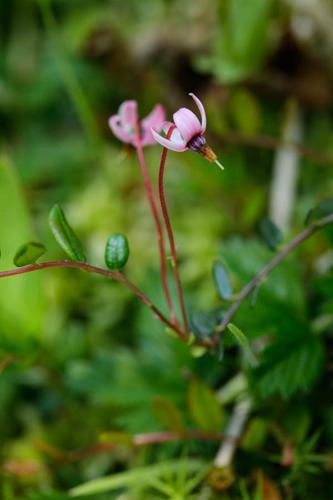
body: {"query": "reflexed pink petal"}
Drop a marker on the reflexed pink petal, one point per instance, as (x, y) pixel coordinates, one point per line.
(154, 119)
(174, 146)
(118, 130)
(147, 138)
(128, 112)
(187, 124)
(202, 112)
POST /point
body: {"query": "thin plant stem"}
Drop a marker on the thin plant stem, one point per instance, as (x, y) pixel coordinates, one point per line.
(183, 335)
(115, 275)
(146, 439)
(158, 225)
(170, 233)
(261, 275)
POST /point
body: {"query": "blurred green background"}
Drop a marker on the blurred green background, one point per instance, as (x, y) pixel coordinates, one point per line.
(80, 356)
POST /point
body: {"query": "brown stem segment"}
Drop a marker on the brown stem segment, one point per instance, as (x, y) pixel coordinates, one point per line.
(325, 221)
(115, 275)
(149, 438)
(170, 233)
(158, 225)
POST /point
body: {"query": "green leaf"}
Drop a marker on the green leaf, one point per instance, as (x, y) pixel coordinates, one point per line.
(138, 476)
(167, 414)
(289, 364)
(282, 295)
(255, 434)
(65, 235)
(198, 351)
(28, 253)
(241, 40)
(22, 302)
(270, 233)
(204, 408)
(323, 208)
(221, 279)
(203, 323)
(116, 251)
(244, 344)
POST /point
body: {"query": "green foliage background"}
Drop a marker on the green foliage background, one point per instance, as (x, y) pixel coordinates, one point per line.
(81, 358)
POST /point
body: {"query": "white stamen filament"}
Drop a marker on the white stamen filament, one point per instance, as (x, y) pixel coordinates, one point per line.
(219, 164)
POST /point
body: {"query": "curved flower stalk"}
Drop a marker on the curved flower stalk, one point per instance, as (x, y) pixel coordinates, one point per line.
(187, 133)
(124, 123)
(128, 128)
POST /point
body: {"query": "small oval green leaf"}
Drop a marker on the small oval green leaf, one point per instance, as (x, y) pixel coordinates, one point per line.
(270, 233)
(221, 279)
(116, 251)
(167, 414)
(203, 323)
(28, 253)
(65, 235)
(204, 408)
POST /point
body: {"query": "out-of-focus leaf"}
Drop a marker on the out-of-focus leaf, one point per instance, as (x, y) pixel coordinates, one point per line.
(270, 233)
(290, 364)
(245, 111)
(116, 251)
(323, 208)
(22, 48)
(241, 41)
(203, 323)
(244, 344)
(198, 351)
(255, 434)
(65, 235)
(116, 438)
(204, 408)
(281, 309)
(142, 475)
(167, 414)
(29, 253)
(21, 299)
(297, 422)
(47, 495)
(221, 279)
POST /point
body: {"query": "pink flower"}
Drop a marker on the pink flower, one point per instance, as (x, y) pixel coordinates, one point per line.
(123, 124)
(187, 133)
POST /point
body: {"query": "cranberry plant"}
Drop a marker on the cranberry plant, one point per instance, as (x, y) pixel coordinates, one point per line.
(168, 334)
